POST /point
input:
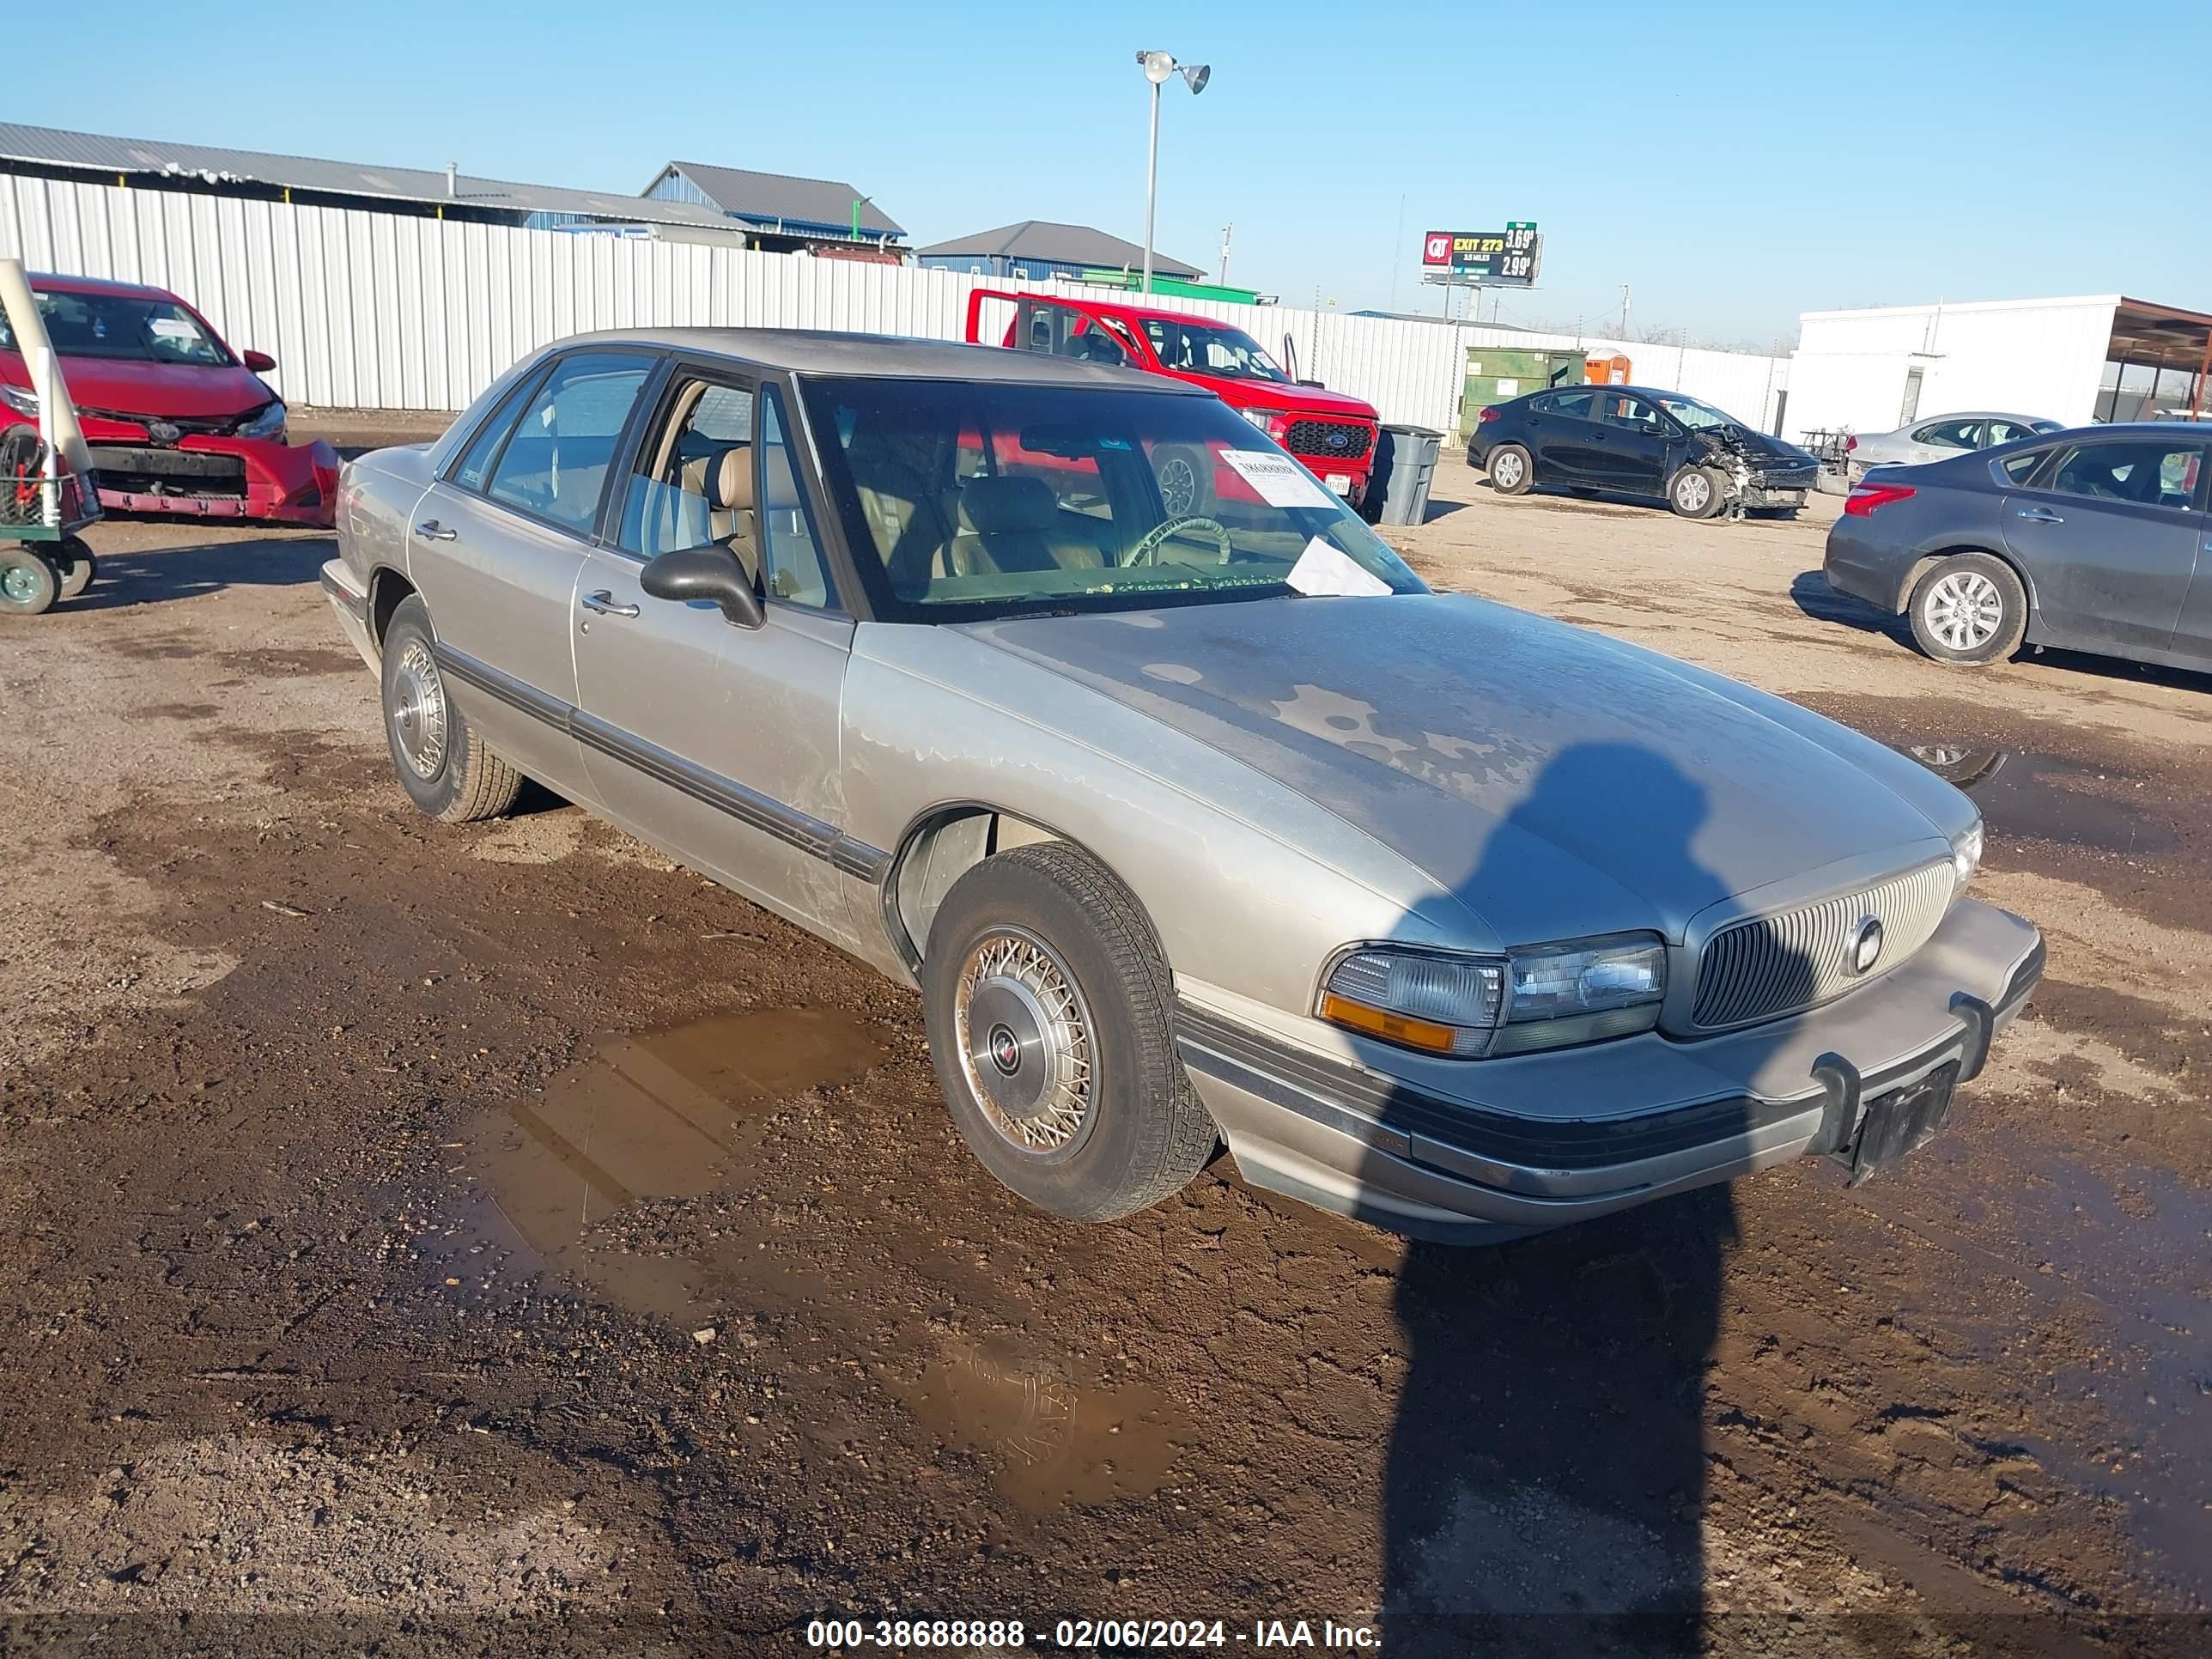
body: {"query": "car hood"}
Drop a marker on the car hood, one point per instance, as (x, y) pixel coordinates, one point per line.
(1557, 782)
(1761, 449)
(1280, 394)
(158, 389)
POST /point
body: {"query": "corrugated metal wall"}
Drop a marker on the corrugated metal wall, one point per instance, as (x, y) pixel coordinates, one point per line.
(377, 311)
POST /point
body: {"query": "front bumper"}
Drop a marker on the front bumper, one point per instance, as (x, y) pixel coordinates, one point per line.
(1472, 1151)
(211, 478)
(1764, 495)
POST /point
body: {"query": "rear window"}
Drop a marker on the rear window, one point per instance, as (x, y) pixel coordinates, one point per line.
(2019, 468)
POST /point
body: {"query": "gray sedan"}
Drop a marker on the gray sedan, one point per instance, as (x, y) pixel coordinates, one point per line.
(1188, 828)
(1941, 438)
(2096, 540)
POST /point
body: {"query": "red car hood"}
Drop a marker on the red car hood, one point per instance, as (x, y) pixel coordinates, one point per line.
(164, 390)
(1278, 394)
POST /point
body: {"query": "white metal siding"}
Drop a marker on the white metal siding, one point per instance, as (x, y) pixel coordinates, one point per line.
(388, 311)
(2029, 357)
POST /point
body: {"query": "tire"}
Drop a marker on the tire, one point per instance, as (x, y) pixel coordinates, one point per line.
(1511, 471)
(82, 567)
(442, 764)
(1185, 477)
(1696, 492)
(28, 584)
(1041, 956)
(1968, 610)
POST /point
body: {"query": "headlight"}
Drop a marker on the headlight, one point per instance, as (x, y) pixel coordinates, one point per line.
(1265, 419)
(25, 404)
(1469, 1007)
(266, 421)
(1966, 854)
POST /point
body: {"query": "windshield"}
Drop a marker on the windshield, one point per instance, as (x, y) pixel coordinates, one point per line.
(1202, 347)
(992, 500)
(1696, 416)
(123, 326)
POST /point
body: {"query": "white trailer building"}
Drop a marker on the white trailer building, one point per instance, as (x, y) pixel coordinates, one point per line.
(2096, 357)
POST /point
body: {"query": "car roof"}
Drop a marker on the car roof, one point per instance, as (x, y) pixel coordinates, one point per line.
(46, 281)
(891, 356)
(1971, 415)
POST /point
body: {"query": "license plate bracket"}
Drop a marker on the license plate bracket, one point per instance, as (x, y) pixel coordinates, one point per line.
(1902, 1121)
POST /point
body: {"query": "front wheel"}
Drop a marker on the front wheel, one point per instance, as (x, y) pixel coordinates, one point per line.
(1695, 493)
(442, 764)
(28, 584)
(1969, 609)
(1511, 472)
(1048, 1006)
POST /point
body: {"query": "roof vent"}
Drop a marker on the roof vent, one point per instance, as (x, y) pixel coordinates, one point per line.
(452, 178)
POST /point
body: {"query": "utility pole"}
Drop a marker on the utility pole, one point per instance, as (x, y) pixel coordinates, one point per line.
(1152, 183)
(1623, 312)
(1397, 242)
(1226, 231)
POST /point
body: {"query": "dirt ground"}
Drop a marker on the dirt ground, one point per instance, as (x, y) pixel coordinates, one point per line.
(494, 1239)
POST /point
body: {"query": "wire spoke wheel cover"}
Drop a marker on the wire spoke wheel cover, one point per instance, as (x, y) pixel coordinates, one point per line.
(1963, 609)
(1025, 1042)
(417, 710)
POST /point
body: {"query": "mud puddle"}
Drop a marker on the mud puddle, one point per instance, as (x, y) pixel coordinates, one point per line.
(1047, 1438)
(663, 1115)
(2043, 797)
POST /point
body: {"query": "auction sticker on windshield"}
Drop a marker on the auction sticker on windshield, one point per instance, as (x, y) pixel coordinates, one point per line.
(1278, 480)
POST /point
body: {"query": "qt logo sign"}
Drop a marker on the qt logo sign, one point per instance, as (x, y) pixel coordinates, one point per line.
(1436, 249)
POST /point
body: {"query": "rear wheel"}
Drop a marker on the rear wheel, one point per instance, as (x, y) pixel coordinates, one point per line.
(1511, 470)
(1969, 609)
(28, 585)
(77, 563)
(1048, 1006)
(442, 764)
(1186, 480)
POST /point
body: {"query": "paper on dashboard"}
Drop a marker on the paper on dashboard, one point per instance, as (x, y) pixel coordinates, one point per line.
(1322, 571)
(1278, 480)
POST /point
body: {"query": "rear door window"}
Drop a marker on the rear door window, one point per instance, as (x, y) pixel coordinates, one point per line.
(1573, 405)
(555, 464)
(1947, 434)
(475, 465)
(2144, 472)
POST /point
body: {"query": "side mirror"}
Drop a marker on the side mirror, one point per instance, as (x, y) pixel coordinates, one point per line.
(1315, 384)
(704, 573)
(259, 361)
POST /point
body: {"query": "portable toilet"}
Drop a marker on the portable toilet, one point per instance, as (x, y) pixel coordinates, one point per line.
(1608, 371)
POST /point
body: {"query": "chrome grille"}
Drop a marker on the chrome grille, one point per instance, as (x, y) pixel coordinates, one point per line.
(1766, 966)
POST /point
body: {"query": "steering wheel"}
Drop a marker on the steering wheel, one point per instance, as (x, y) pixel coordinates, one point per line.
(1149, 543)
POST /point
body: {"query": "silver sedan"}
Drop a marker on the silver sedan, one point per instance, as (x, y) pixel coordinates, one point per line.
(1939, 438)
(1188, 828)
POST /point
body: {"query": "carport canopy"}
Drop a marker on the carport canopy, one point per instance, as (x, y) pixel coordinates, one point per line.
(2160, 358)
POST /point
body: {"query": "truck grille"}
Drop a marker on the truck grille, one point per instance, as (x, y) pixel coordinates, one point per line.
(1766, 966)
(1328, 440)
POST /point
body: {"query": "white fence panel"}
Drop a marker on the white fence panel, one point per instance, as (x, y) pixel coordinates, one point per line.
(391, 312)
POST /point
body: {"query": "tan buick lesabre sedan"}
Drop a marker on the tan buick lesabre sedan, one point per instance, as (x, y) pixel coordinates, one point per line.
(1189, 829)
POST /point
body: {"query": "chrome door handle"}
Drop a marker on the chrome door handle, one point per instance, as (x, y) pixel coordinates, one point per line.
(604, 603)
(2041, 515)
(431, 531)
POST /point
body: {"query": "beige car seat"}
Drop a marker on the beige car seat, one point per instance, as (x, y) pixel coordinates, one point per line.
(1011, 524)
(724, 479)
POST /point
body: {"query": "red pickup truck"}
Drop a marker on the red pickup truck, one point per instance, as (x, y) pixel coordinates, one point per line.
(1333, 435)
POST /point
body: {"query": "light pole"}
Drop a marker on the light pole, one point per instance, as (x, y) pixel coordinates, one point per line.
(1158, 66)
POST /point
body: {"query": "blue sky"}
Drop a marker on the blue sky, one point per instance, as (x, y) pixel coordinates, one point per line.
(1733, 164)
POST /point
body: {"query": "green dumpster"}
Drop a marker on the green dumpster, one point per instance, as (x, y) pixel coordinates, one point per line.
(1498, 374)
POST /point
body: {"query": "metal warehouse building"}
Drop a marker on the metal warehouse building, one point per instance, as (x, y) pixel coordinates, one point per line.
(2097, 357)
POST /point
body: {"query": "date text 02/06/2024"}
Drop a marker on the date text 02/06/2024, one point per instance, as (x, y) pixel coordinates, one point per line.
(1101, 1635)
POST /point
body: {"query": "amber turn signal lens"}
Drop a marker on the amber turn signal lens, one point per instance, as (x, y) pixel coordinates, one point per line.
(1423, 1033)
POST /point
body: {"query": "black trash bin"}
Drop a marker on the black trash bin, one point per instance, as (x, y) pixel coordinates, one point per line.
(1405, 466)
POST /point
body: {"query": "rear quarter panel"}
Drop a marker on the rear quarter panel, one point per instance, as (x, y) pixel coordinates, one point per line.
(377, 496)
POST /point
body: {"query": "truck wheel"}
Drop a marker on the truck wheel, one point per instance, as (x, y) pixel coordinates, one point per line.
(78, 566)
(1697, 492)
(28, 585)
(1511, 473)
(442, 764)
(1048, 1006)
(1968, 610)
(1186, 480)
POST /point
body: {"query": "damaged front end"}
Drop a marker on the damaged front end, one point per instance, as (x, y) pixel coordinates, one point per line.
(1752, 479)
(222, 467)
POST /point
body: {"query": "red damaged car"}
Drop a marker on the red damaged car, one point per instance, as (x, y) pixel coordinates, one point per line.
(177, 422)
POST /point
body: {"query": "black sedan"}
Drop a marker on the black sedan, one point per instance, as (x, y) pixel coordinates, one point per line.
(2095, 540)
(1637, 442)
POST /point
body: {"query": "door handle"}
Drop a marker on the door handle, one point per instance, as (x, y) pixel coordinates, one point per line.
(604, 603)
(431, 531)
(2041, 515)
